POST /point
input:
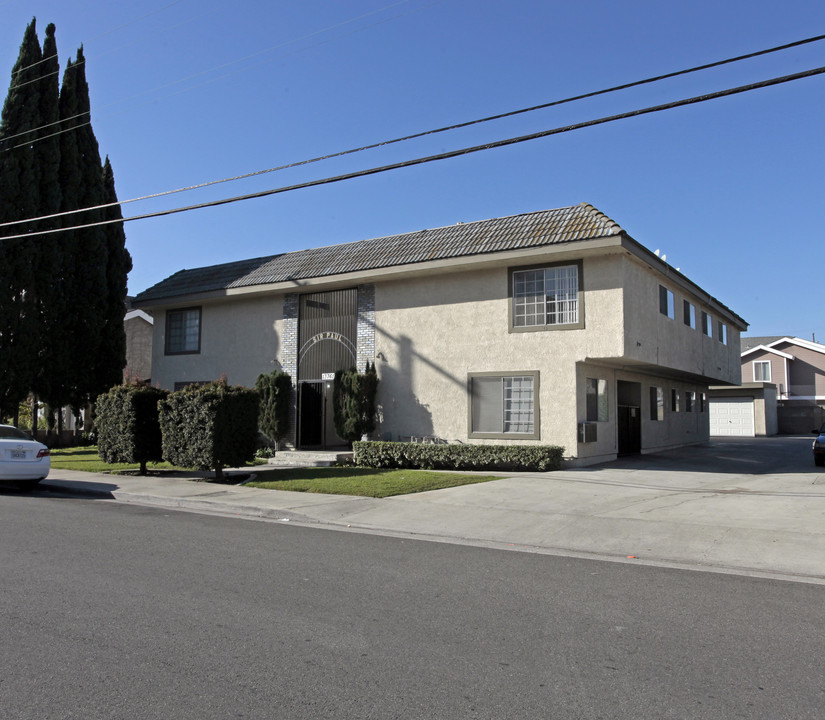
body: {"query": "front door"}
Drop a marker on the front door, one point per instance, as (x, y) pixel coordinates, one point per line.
(629, 417)
(316, 427)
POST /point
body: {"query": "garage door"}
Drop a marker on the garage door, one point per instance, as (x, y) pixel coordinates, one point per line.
(731, 416)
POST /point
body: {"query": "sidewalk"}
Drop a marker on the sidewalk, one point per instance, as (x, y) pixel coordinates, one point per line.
(691, 508)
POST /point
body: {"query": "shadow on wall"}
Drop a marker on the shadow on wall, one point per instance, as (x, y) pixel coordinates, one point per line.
(400, 412)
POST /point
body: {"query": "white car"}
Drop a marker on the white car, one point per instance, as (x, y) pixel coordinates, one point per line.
(23, 460)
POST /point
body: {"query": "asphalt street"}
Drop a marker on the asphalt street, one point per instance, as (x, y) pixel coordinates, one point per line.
(114, 610)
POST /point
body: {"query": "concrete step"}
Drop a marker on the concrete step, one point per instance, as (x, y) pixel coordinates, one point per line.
(308, 458)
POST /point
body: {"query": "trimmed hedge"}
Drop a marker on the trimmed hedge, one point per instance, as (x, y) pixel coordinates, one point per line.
(127, 425)
(210, 427)
(457, 457)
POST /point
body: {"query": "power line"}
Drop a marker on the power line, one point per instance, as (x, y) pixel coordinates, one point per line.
(446, 155)
(425, 133)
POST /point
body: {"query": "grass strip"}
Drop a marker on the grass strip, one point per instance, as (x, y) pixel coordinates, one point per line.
(86, 459)
(366, 482)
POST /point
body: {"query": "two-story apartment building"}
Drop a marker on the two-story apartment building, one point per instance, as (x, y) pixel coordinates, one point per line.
(553, 327)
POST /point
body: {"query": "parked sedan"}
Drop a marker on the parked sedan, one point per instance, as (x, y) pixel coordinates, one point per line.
(819, 446)
(23, 460)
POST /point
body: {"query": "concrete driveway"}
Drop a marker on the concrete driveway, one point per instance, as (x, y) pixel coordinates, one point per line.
(751, 505)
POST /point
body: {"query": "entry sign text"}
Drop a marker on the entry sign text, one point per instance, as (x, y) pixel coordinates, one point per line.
(327, 376)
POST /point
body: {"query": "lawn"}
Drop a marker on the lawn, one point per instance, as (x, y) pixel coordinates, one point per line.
(86, 459)
(334, 481)
(361, 481)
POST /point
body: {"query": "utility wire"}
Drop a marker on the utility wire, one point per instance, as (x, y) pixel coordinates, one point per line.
(425, 133)
(445, 155)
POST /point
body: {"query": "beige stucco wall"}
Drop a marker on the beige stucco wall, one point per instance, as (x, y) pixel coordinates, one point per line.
(654, 337)
(240, 338)
(433, 331)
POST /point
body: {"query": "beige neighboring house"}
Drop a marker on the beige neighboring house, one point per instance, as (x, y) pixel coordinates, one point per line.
(796, 368)
(139, 329)
(553, 327)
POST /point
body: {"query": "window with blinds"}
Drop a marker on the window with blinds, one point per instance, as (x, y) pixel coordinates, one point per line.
(503, 405)
(546, 296)
(183, 331)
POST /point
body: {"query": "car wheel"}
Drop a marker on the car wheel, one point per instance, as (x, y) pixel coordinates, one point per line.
(818, 461)
(28, 484)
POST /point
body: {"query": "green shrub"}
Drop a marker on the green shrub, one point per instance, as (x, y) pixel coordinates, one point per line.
(275, 391)
(210, 427)
(458, 457)
(127, 425)
(354, 402)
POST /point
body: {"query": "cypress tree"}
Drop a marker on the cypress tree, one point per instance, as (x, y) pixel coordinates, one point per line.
(85, 261)
(19, 199)
(111, 357)
(51, 308)
(62, 296)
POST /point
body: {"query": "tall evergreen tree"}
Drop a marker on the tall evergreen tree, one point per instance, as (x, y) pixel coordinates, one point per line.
(62, 296)
(19, 199)
(51, 308)
(111, 358)
(85, 260)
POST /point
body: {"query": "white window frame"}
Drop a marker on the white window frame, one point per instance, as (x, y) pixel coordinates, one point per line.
(547, 297)
(766, 377)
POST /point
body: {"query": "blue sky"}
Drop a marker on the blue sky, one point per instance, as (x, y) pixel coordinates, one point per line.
(197, 90)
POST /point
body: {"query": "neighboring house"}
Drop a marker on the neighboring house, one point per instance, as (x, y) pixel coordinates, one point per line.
(553, 327)
(139, 328)
(797, 368)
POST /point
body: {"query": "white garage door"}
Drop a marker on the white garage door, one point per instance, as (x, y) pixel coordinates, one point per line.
(731, 416)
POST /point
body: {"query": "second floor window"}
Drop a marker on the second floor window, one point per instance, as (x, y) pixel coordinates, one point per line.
(666, 302)
(690, 315)
(546, 296)
(722, 332)
(706, 324)
(183, 331)
(762, 371)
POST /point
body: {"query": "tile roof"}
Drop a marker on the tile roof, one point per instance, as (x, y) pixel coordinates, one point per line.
(536, 229)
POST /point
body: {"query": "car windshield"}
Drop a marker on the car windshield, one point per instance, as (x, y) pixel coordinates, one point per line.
(9, 432)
